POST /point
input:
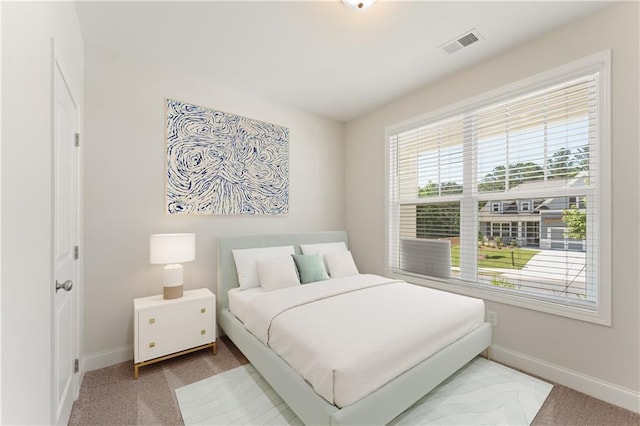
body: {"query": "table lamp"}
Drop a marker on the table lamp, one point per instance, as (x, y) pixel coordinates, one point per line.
(171, 250)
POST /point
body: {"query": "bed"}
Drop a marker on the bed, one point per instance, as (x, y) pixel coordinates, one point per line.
(313, 403)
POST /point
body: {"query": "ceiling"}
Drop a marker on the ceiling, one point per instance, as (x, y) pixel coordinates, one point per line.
(319, 56)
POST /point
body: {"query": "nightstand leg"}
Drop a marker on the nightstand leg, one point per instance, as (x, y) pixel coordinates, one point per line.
(215, 347)
(135, 372)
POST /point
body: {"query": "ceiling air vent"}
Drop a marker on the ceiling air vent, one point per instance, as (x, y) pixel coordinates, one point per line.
(459, 42)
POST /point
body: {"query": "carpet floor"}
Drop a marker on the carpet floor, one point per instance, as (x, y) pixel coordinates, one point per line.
(111, 396)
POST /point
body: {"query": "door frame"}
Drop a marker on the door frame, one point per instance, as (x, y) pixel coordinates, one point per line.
(58, 63)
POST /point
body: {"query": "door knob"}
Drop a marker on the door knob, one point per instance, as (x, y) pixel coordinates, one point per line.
(66, 286)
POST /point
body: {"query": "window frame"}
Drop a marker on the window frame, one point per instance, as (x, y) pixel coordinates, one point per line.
(596, 63)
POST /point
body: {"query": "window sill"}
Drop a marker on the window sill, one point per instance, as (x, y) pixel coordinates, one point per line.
(601, 316)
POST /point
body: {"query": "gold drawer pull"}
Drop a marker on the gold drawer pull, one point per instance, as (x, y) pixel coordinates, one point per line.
(203, 331)
(152, 344)
(152, 320)
(203, 310)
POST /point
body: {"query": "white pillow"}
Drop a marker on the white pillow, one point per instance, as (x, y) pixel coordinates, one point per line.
(246, 263)
(323, 248)
(277, 273)
(341, 264)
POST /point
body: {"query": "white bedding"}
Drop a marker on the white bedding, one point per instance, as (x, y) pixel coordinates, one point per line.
(349, 336)
(239, 299)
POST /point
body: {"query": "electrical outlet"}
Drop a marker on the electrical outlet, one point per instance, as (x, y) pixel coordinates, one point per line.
(492, 318)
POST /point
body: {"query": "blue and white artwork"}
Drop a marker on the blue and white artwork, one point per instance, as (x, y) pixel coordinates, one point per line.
(224, 164)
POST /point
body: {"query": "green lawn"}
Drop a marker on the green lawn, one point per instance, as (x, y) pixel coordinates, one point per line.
(497, 258)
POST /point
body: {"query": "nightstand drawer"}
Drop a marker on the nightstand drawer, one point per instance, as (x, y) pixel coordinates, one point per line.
(174, 339)
(171, 316)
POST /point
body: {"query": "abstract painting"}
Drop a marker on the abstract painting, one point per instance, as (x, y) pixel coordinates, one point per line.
(224, 164)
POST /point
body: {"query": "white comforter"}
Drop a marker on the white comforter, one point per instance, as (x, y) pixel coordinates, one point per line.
(349, 336)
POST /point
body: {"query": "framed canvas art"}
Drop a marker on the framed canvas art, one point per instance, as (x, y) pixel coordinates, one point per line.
(224, 164)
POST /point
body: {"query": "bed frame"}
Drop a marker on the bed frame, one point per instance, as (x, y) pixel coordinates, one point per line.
(377, 408)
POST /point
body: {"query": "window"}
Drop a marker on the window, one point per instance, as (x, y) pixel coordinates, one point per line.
(577, 202)
(512, 187)
(504, 229)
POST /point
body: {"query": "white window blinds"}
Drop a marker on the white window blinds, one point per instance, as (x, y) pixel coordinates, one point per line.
(503, 196)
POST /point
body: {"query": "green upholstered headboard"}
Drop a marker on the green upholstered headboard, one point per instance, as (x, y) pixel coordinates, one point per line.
(227, 275)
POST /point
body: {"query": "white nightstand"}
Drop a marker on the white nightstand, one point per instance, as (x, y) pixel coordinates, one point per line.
(164, 329)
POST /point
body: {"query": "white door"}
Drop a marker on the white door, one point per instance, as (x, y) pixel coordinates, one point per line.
(65, 239)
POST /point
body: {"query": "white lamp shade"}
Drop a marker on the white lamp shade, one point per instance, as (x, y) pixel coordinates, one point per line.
(172, 248)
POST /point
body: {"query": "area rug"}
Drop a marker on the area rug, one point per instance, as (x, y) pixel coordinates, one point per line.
(482, 392)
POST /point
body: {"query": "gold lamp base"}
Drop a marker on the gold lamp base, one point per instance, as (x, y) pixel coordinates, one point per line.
(174, 292)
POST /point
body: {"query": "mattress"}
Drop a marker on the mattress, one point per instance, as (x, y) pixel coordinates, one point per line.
(349, 336)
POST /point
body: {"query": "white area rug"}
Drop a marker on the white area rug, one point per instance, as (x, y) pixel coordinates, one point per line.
(480, 393)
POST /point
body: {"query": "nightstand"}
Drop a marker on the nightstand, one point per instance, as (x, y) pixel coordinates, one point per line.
(164, 328)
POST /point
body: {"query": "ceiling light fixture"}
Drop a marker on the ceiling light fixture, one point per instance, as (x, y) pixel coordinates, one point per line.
(358, 4)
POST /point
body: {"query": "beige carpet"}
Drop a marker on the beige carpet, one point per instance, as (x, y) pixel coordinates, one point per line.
(110, 396)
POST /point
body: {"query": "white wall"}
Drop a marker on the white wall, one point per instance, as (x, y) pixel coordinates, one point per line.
(598, 356)
(27, 284)
(124, 189)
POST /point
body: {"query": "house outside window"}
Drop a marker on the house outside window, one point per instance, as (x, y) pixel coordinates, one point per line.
(514, 185)
(578, 202)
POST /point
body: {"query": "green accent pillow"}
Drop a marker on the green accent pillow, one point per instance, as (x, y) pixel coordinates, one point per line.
(310, 267)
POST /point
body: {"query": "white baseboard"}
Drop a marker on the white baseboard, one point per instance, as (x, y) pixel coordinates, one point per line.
(609, 392)
(108, 358)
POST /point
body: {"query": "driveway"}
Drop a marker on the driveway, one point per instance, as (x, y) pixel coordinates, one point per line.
(555, 271)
